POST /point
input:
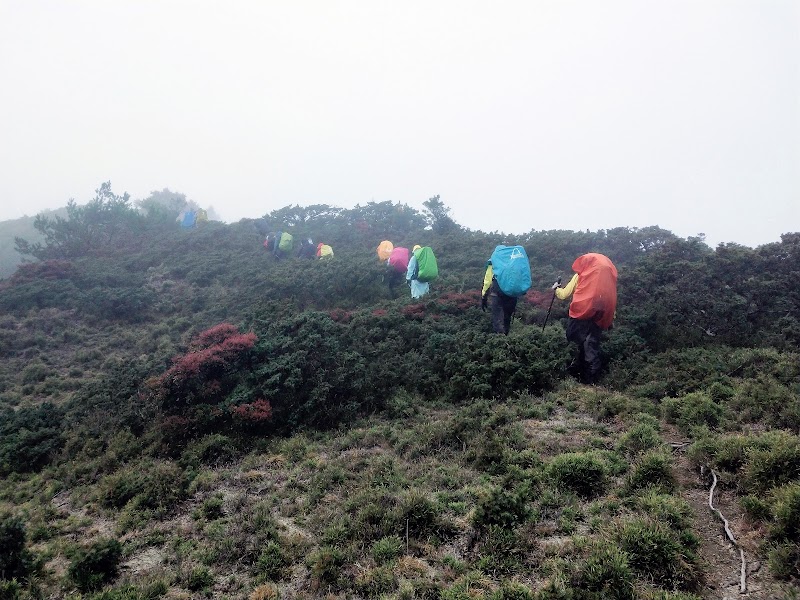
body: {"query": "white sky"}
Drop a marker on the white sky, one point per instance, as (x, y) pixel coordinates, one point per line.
(522, 115)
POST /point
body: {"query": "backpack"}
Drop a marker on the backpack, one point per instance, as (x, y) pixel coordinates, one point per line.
(398, 259)
(427, 268)
(385, 250)
(285, 242)
(511, 269)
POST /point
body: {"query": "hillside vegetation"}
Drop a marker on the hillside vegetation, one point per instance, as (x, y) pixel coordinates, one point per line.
(184, 415)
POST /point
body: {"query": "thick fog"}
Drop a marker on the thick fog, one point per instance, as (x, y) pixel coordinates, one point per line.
(520, 115)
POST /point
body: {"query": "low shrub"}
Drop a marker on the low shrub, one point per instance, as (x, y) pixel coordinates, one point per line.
(653, 470)
(272, 562)
(665, 508)
(768, 468)
(657, 552)
(605, 573)
(693, 410)
(784, 558)
(375, 582)
(152, 591)
(512, 591)
(150, 485)
(199, 579)
(95, 565)
(583, 473)
(387, 549)
(504, 507)
(326, 566)
(639, 439)
(15, 560)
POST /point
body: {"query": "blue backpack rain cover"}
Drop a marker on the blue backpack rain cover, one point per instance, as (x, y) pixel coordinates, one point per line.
(511, 269)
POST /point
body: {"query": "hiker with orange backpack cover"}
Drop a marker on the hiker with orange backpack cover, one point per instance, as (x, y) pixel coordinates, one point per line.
(594, 304)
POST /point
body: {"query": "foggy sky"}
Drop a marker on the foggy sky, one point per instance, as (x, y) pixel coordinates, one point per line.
(521, 115)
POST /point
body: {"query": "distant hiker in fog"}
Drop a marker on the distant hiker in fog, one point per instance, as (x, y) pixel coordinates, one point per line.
(594, 303)
(413, 277)
(306, 249)
(324, 251)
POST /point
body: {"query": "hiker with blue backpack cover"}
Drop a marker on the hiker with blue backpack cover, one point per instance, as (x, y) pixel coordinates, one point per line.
(507, 277)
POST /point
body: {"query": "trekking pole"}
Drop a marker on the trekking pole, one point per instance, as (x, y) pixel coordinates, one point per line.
(551, 306)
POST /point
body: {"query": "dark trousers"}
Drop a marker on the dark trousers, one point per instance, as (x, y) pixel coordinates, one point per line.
(502, 308)
(586, 334)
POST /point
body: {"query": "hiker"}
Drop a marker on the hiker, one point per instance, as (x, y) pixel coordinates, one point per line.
(396, 266)
(280, 244)
(502, 306)
(594, 304)
(508, 276)
(306, 249)
(418, 288)
(324, 251)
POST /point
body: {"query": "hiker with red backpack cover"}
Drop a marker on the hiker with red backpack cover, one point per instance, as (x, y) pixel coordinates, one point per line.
(594, 304)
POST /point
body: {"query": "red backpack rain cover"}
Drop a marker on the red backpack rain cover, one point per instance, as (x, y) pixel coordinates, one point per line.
(595, 296)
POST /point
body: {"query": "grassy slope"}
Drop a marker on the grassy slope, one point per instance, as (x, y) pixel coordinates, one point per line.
(494, 491)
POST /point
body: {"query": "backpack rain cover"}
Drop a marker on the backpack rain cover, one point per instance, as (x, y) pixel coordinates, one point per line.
(427, 268)
(511, 269)
(595, 297)
(399, 258)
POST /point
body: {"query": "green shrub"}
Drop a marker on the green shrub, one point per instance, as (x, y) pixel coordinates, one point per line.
(326, 565)
(95, 565)
(582, 473)
(214, 449)
(504, 507)
(665, 508)
(605, 573)
(387, 549)
(212, 507)
(10, 589)
(693, 410)
(422, 516)
(639, 439)
(272, 562)
(150, 485)
(501, 550)
(372, 583)
(512, 591)
(784, 560)
(150, 592)
(35, 373)
(653, 470)
(15, 560)
(199, 578)
(786, 513)
(773, 467)
(655, 551)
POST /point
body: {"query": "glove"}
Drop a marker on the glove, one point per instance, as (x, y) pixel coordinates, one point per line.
(484, 303)
(554, 286)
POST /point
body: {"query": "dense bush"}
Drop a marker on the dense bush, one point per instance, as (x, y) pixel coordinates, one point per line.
(583, 473)
(29, 437)
(605, 573)
(156, 486)
(652, 470)
(15, 560)
(659, 553)
(95, 565)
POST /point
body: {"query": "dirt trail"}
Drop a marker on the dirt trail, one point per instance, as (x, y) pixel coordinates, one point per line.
(721, 558)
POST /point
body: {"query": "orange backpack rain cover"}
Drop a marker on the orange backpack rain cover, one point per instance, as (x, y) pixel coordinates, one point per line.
(385, 250)
(595, 296)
